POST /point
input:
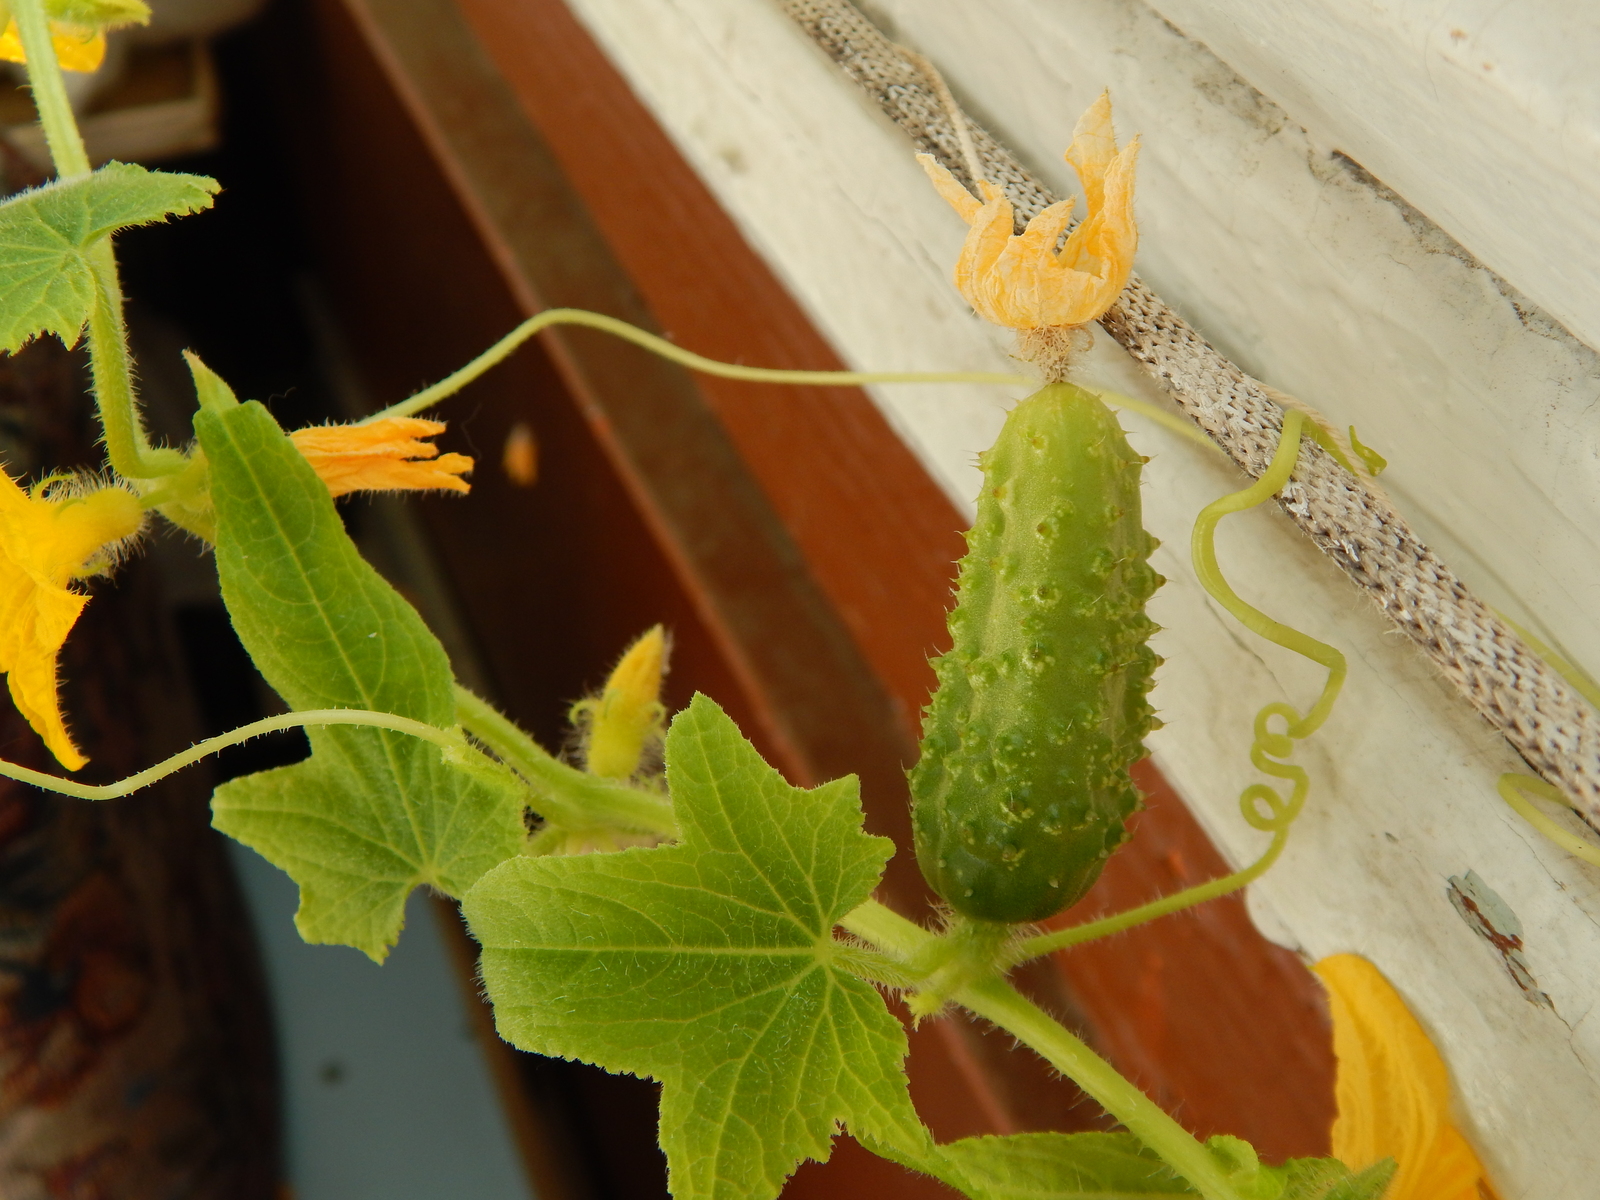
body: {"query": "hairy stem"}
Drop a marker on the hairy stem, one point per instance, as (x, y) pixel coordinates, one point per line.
(49, 92)
(996, 1001)
(445, 739)
(568, 797)
(126, 445)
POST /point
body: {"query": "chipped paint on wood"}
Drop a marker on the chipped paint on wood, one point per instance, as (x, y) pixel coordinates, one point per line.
(1491, 918)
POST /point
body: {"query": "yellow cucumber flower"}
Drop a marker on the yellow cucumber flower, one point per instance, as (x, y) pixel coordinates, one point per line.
(50, 537)
(621, 724)
(1021, 280)
(77, 30)
(78, 47)
(1393, 1090)
(382, 456)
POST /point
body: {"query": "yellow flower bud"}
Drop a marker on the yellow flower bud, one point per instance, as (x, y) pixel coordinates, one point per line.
(627, 719)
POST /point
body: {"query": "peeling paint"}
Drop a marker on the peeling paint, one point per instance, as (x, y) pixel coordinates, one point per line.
(1491, 918)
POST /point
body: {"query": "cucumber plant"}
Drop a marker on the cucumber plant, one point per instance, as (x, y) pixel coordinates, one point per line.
(690, 932)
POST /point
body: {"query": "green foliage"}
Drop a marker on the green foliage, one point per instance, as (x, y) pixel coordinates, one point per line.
(45, 233)
(711, 965)
(1330, 1179)
(1116, 1166)
(1023, 787)
(1055, 1166)
(99, 14)
(371, 814)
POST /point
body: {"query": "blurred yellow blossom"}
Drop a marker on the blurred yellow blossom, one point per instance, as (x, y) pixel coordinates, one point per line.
(1394, 1090)
(50, 537)
(382, 456)
(78, 47)
(1021, 280)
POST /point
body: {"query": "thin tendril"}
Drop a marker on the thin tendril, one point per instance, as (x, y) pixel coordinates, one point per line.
(503, 349)
(1262, 806)
(1514, 789)
(534, 325)
(449, 740)
(1150, 412)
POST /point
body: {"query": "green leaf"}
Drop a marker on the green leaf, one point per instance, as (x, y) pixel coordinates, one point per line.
(46, 232)
(371, 814)
(711, 965)
(1330, 1179)
(1116, 1166)
(99, 14)
(1054, 1166)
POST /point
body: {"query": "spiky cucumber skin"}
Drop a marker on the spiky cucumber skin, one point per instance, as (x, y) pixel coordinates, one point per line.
(1022, 789)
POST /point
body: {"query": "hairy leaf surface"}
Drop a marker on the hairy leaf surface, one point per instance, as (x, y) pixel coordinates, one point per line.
(711, 965)
(1055, 1166)
(371, 814)
(45, 232)
(1116, 1166)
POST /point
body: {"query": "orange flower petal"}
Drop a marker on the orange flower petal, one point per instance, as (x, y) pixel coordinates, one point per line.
(44, 545)
(381, 456)
(1021, 280)
(1393, 1089)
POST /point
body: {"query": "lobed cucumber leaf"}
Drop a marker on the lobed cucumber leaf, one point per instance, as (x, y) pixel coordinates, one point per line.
(1053, 1166)
(711, 966)
(1116, 1166)
(371, 814)
(45, 233)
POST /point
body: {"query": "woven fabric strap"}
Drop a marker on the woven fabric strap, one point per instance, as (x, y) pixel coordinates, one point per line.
(1540, 714)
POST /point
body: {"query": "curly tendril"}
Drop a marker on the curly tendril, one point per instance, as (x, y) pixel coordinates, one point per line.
(1515, 788)
(1262, 806)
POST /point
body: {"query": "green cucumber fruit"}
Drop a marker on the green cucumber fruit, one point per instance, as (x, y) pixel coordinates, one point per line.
(1022, 788)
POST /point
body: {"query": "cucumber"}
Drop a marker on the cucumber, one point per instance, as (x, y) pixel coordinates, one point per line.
(1022, 788)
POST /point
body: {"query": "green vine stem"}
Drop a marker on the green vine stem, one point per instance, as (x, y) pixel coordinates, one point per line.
(568, 797)
(998, 1002)
(126, 445)
(448, 740)
(506, 346)
(49, 90)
